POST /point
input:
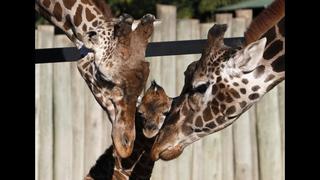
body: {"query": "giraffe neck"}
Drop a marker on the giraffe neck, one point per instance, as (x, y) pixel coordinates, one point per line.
(137, 166)
(75, 17)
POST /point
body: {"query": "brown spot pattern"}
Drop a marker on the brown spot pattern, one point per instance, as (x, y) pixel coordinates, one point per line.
(259, 71)
(46, 3)
(77, 17)
(234, 93)
(89, 15)
(245, 81)
(199, 122)
(243, 90)
(243, 104)
(57, 11)
(253, 96)
(69, 3)
(231, 110)
(269, 77)
(255, 88)
(207, 115)
(273, 49)
(211, 125)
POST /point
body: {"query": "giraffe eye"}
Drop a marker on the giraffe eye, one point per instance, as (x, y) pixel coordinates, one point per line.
(166, 113)
(201, 88)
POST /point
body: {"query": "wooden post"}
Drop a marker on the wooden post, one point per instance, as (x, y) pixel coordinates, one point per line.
(227, 145)
(93, 130)
(212, 161)
(254, 143)
(155, 62)
(281, 96)
(78, 121)
(241, 128)
(225, 18)
(246, 14)
(44, 106)
(167, 15)
(37, 94)
(191, 158)
(238, 27)
(62, 116)
(269, 137)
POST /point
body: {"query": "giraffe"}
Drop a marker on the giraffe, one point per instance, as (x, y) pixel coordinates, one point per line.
(222, 85)
(138, 165)
(113, 59)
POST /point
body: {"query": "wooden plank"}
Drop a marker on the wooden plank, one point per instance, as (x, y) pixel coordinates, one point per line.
(78, 121)
(269, 137)
(225, 18)
(238, 27)
(281, 97)
(186, 29)
(226, 136)
(254, 143)
(242, 148)
(167, 14)
(246, 14)
(212, 162)
(37, 94)
(44, 106)
(93, 130)
(155, 62)
(241, 128)
(62, 116)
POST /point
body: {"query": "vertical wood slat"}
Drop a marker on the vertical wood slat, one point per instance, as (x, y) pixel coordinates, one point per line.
(62, 116)
(155, 74)
(281, 98)
(44, 106)
(226, 134)
(155, 62)
(37, 128)
(78, 121)
(167, 14)
(187, 29)
(254, 143)
(247, 14)
(93, 130)
(269, 137)
(212, 149)
(243, 162)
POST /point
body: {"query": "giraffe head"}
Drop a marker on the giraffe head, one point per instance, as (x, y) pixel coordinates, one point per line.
(153, 108)
(119, 77)
(218, 89)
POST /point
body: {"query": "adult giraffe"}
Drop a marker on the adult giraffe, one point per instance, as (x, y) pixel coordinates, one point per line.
(224, 83)
(113, 63)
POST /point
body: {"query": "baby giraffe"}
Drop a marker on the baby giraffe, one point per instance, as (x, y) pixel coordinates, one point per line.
(150, 115)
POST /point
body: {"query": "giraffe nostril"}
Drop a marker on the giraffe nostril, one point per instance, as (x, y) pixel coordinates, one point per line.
(125, 140)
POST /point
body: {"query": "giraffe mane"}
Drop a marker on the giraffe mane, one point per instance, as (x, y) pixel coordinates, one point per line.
(264, 21)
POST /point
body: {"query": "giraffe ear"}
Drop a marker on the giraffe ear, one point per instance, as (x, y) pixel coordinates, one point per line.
(251, 55)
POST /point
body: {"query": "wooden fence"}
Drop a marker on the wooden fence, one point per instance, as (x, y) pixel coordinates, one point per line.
(72, 130)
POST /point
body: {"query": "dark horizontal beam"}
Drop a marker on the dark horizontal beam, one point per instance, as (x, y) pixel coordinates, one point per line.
(168, 48)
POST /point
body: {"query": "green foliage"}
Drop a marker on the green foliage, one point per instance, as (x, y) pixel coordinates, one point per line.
(198, 9)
